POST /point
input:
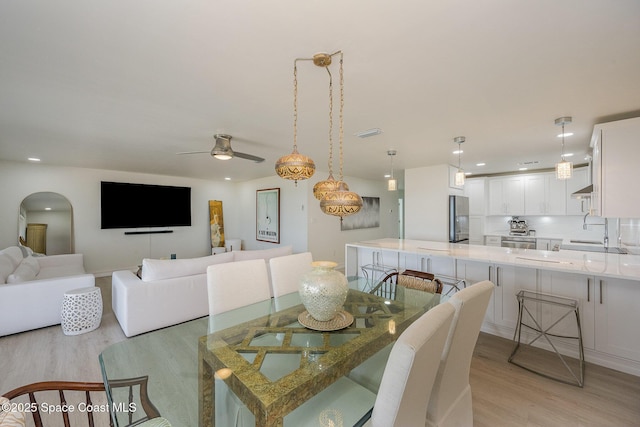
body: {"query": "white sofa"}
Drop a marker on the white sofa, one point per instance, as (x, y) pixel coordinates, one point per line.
(32, 287)
(169, 292)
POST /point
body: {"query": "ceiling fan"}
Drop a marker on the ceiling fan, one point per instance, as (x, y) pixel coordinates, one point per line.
(222, 150)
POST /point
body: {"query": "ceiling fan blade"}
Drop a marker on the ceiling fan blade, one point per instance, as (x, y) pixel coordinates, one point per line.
(194, 152)
(248, 157)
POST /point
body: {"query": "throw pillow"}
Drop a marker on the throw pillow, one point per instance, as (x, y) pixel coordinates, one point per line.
(32, 263)
(6, 267)
(15, 254)
(23, 273)
(417, 283)
(10, 419)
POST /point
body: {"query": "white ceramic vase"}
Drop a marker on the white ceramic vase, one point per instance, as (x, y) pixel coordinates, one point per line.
(323, 290)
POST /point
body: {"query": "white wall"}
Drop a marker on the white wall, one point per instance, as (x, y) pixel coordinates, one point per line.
(303, 225)
(327, 241)
(427, 203)
(108, 250)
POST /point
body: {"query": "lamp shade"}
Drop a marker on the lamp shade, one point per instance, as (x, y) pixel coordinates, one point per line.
(392, 184)
(564, 169)
(295, 166)
(341, 202)
(328, 185)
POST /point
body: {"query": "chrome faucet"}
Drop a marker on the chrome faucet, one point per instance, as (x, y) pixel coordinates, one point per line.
(606, 229)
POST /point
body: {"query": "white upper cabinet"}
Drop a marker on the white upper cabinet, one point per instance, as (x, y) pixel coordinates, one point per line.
(616, 150)
(544, 195)
(506, 195)
(474, 189)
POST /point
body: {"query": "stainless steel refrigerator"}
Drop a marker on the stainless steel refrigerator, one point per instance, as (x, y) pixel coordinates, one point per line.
(458, 219)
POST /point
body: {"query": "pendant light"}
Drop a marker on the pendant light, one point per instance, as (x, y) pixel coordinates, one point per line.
(341, 202)
(330, 184)
(564, 169)
(392, 184)
(295, 166)
(459, 177)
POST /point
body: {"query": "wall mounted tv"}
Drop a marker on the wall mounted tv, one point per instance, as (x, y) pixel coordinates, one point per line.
(125, 205)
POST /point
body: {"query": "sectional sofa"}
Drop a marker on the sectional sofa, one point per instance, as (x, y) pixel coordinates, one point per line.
(32, 287)
(168, 292)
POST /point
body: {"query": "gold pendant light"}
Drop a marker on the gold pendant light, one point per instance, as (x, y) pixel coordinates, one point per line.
(341, 202)
(295, 166)
(330, 184)
(564, 169)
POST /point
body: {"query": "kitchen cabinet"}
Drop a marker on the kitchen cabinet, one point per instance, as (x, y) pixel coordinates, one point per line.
(509, 280)
(474, 189)
(544, 194)
(506, 195)
(617, 317)
(548, 244)
(578, 181)
(614, 168)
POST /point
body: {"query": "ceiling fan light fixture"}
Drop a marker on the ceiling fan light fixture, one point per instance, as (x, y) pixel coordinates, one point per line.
(222, 150)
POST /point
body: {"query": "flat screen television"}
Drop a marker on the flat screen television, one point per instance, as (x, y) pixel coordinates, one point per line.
(126, 205)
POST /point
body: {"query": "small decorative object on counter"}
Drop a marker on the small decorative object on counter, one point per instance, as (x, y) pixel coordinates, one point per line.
(323, 290)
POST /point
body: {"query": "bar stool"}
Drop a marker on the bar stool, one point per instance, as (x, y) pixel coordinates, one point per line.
(568, 307)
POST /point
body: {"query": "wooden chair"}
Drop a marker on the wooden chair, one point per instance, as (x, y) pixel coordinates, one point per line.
(411, 279)
(151, 412)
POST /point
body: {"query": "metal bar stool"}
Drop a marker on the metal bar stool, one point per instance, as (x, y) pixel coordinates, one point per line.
(571, 306)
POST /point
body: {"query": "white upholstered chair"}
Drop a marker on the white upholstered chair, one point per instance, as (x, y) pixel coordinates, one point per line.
(286, 272)
(233, 285)
(450, 403)
(236, 284)
(406, 383)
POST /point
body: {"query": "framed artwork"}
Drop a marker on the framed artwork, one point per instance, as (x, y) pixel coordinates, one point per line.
(217, 223)
(268, 215)
(368, 217)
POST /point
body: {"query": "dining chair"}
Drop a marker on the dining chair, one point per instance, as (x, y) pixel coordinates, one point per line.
(415, 288)
(286, 272)
(406, 384)
(235, 284)
(450, 403)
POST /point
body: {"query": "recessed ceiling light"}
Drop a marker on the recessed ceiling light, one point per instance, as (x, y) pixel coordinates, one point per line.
(522, 169)
(387, 175)
(47, 209)
(568, 154)
(226, 178)
(458, 152)
(468, 173)
(565, 134)
(481, 164)
(369, 132)
(33, 159)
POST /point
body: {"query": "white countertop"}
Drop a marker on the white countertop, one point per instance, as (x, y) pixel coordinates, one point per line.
(624, 266)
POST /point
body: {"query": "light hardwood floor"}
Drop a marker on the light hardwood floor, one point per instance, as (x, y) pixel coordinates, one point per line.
(503, 394)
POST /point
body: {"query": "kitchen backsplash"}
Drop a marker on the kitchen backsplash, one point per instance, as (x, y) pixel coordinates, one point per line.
(571, 227)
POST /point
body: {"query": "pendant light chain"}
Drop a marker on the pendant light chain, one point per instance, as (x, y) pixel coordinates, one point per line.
(341, 130)
(330, 123)
(295, 105)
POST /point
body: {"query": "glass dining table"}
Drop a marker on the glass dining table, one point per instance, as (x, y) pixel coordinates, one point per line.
(261, 354)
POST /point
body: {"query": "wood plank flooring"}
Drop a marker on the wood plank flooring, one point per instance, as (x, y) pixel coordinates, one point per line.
(503, 394)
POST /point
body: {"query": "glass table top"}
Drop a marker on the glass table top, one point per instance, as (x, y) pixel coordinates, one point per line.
(265, 334)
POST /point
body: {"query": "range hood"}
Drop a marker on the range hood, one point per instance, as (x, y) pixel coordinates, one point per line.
(583, 193)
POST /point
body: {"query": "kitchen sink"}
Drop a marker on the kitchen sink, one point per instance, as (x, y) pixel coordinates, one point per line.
(587, 248)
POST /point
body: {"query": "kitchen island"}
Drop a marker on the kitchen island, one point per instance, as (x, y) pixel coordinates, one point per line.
(606, 285)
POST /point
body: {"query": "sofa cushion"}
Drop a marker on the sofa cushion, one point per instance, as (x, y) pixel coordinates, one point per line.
(265, 254)
(159, 269)
(26, 251)
(15, 254)
(23, 273)
(6, 267)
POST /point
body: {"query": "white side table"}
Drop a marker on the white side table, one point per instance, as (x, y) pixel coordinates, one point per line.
(81, 310)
